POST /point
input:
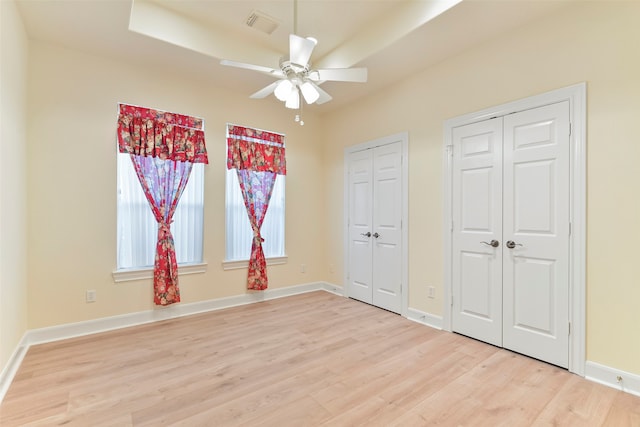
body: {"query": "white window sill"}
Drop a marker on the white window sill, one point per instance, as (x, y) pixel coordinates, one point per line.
(129, 274)
(235, 265)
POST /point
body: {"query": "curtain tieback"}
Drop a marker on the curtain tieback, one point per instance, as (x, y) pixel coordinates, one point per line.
(164, 228)
(257, 238)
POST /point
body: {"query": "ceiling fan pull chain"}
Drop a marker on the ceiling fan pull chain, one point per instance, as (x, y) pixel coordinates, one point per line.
(298, 117)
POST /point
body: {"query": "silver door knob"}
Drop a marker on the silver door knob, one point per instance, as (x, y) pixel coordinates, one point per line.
(367, 234)
(511, 244)
(376, 235)
(494, 243)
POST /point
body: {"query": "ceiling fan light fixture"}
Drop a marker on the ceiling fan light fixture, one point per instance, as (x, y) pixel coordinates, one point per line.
(283, 90)
(293, 101)
(309, 92)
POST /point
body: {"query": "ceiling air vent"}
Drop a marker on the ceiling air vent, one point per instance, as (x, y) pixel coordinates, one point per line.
(262, 22)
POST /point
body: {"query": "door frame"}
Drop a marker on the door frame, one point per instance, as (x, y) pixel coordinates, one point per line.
(403, 138)
(576, 95)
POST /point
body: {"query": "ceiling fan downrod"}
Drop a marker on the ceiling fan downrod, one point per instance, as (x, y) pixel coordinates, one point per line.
(295, 17)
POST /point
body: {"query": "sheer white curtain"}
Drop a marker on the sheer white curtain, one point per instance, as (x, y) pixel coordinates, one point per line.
(239, 235)
(138, 229)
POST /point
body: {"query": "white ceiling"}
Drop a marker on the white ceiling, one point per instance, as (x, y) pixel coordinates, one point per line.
(392, 38)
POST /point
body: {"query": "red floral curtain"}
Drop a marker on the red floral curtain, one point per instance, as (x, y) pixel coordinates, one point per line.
(258, 156)
(163, 147)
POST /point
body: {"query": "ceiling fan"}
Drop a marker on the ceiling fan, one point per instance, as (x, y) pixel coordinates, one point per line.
(296, 76)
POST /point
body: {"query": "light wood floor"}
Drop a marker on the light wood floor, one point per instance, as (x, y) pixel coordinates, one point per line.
(307, 360)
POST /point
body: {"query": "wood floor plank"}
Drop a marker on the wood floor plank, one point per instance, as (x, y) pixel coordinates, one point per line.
(578, 403)
(314, 359)
(624, 411)
(302, 412)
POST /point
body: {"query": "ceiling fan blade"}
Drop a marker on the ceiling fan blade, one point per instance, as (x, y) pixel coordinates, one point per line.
(265, 91)
(324, 96)
(266, 70)
(358, 75)
(300, 49)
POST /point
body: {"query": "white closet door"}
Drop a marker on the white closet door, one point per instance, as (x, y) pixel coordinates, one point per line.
(511, 232)
(387, 227)
(477, 231)
(375, 226)
(536, 233)
(361, 225)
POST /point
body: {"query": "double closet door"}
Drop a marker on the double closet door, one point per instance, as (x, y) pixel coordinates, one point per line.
(511, 230)
(375, 226)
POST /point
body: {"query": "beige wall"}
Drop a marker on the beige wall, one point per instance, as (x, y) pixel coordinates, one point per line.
(588, 41)
(13, 200)
(72, 184)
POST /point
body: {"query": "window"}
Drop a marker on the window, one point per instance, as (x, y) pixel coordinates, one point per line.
(239, 235)
(138, 229)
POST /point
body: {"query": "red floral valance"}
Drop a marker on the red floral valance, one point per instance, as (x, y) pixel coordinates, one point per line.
(147, 132)
(255, 150)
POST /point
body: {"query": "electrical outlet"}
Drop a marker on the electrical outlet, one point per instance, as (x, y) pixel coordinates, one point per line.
(303, 268)
(431, 292)
(91, 295)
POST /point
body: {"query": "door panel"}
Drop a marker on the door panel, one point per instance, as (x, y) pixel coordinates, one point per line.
(387, 223)
(477, 207)
(533, 189)
(477, 285)
(477, 200)
(536, 219)
(535, 278)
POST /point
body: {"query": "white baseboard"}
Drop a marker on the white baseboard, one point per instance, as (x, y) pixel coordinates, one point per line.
(614, 378)
(424, 318)
(73, 330)
(11, 369)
